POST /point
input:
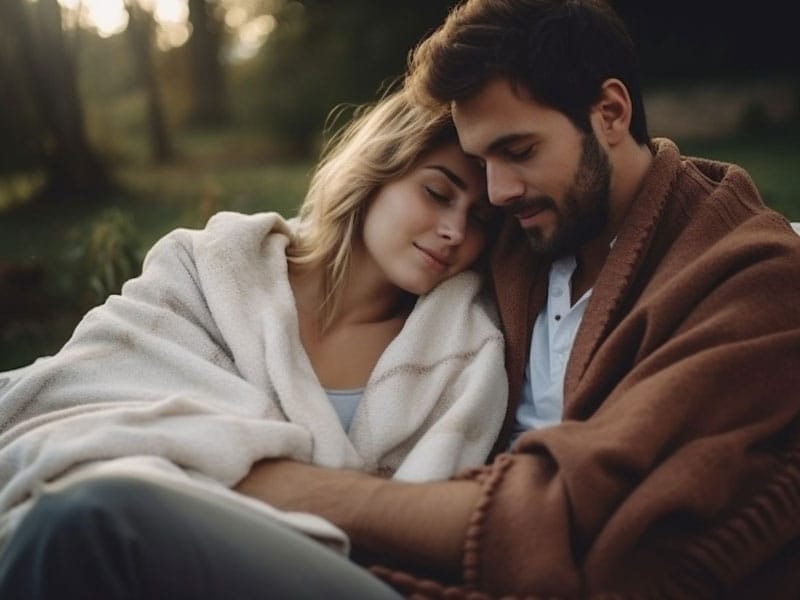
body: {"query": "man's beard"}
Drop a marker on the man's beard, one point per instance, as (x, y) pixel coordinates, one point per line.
(583, 213)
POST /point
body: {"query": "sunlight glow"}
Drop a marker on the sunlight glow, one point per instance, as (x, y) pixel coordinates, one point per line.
(253, 34)
(236, 17)
(171, 11)
(172, 35)
(250, 26)
(109, 17)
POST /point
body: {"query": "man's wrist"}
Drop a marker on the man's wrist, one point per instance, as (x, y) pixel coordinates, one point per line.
(426, 522)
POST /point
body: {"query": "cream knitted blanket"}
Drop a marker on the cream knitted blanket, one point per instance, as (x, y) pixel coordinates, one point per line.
(198, 365)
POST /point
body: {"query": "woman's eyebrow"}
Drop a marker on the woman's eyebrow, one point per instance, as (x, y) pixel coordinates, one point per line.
(457, 181)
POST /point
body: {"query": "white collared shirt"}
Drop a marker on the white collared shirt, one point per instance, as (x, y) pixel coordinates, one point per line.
(542, 402)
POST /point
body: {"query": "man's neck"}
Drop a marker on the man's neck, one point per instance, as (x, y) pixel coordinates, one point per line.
(630, 166)
(590, 260)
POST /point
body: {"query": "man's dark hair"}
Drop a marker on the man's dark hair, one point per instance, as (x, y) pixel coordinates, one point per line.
(559, 51)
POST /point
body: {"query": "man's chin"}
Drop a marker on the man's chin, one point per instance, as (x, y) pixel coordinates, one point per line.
(547, 246)
(569, 237)
(557, 245)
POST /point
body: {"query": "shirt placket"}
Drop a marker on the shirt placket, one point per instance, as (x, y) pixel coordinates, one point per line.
(558, 310)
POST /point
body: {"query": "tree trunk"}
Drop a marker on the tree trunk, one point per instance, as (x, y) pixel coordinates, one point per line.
(209, 98)
(21, 132)
(72, 165)
(140, 27)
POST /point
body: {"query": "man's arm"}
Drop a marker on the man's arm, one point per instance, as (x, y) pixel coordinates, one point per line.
(426, 521)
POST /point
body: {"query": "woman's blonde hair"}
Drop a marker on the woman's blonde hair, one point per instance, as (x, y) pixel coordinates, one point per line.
(381, 143)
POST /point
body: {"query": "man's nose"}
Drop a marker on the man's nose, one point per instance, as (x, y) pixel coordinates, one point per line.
(503, 184)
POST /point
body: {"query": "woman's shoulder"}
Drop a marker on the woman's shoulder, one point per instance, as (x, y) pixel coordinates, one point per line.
(226, 234)
(464, 297)
(234, 227)
(229, 223)
(464, 289)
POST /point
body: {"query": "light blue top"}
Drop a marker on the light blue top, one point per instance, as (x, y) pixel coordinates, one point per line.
(345, 403)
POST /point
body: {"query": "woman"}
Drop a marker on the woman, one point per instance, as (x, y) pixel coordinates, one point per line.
(348, 337)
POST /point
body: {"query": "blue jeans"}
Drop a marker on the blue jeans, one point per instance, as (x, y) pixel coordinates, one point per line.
(120, 537)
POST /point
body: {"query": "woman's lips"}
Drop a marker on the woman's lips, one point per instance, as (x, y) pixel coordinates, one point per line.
(437, 260)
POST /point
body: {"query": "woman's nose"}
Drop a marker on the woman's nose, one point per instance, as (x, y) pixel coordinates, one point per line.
(452, 226)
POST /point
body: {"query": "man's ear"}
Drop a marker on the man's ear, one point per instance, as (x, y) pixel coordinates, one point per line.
(614, 111)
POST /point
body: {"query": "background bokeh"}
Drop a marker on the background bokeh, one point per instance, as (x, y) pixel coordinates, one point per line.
(122, 119)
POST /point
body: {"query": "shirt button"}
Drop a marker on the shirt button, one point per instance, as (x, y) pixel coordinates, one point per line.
(557, 317)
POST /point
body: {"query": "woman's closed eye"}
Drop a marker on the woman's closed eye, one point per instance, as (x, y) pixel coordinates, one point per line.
(436, 195)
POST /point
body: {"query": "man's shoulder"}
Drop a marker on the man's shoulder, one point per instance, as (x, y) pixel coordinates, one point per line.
(721, 198)
(683, 192)
(701, 179)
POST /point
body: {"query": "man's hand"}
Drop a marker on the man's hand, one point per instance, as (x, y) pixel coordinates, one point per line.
(425, 522)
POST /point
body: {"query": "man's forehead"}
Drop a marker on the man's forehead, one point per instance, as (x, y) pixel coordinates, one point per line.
(497, 88)
(481, 128)
(501, 113)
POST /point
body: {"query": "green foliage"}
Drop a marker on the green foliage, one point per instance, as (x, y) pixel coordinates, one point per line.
(88, 251)
(102, 256)
(17, 188)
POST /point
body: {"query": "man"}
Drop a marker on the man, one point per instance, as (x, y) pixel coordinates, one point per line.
(653, 336)
(650, 307)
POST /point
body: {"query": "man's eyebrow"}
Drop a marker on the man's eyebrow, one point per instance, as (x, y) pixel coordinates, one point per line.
(457, 181)
(498, 143)
(505, 140)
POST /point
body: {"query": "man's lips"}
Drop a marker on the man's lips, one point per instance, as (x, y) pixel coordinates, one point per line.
(436, 259)
(527, 212)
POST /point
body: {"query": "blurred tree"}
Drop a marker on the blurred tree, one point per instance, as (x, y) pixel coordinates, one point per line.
(209, 99)
(689, 40)
(140, 34)
(20, 130)
(71, 164)
(324, 53)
